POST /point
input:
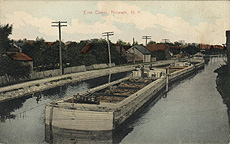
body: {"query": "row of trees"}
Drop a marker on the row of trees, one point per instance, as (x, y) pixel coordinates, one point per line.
(47, 56)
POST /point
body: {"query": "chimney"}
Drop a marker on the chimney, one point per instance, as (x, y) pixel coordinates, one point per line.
(228, 45)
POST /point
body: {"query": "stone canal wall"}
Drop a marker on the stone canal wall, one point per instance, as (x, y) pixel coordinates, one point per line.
(19, 90)
(52, 73)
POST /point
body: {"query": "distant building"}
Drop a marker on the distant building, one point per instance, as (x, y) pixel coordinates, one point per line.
(140, 52)
(218, 47)
(159, 48)
(86, 49)
(205, 46)
(50, 43)
(156, 47)
(130, 56)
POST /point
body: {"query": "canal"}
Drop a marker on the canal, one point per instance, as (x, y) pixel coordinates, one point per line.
(191, 112)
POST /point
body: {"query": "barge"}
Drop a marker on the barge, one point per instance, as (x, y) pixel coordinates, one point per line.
(106, 107)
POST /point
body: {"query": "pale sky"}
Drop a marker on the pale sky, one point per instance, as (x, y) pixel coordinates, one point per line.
(192, 21)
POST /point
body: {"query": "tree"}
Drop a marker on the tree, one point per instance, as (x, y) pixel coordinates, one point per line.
(191, 49)
(177, 43)
(151, 42)
(7, 66)
(74, 58)
(119, 41)
(5, 31)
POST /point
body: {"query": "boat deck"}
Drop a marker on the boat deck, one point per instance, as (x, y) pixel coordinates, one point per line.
(173, 69)
(115, 93)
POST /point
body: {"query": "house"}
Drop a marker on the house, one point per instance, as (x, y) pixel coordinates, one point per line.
(130, 56)
(158, 49)
(140, 52)
(15, 53)
(205, 46)
(49, 43)
(218, 47)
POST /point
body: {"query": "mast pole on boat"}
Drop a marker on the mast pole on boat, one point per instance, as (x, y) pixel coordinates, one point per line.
(167, 79)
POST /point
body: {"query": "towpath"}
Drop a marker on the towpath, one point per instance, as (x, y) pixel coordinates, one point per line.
(30, 87)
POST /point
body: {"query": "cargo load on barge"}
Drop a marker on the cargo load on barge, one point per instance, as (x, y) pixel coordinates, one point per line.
(107, 106)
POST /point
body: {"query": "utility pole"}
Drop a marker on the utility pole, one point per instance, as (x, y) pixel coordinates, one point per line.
(228, 46)
(59, 25)
(146, 38)
(165, 40)
(108, 34)
(133, 52)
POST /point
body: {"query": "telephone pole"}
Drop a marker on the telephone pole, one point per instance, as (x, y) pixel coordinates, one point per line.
(228, 46)
(165, 40)
(108, 34)
(146, 38)
(59, 24)
(133, 52)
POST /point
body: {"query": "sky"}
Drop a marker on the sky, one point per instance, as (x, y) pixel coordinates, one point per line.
(192, 21)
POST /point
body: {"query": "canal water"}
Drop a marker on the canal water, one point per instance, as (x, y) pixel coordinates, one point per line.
(191, 112)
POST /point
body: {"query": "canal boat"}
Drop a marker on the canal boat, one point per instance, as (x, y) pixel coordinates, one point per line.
(107, 106)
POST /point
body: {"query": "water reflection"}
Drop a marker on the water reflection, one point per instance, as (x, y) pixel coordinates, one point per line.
(8, 107)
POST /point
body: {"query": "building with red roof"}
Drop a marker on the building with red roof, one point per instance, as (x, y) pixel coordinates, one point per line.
(156, 47)
(19, 56)
(86, 49)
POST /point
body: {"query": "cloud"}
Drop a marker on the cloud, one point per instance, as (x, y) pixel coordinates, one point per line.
(203, 32)
(160, 21)
(20, 19)
(97, 27)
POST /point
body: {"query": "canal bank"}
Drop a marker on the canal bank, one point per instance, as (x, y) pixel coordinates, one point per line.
(19, 90)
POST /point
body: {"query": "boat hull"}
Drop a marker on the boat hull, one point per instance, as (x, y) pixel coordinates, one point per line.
(106, 116)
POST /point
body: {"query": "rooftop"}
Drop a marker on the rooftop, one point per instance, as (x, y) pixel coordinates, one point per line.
(19, 56)
(142, 49)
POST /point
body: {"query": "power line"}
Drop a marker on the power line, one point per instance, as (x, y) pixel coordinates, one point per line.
(108, 34)
(59, 24)
(146, 38)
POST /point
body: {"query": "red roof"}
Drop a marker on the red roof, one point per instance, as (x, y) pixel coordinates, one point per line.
(174, 47)
(19, 56)
(50, 43)
(205, 46)
(219, 47)
(156, 47)
(86, 49)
